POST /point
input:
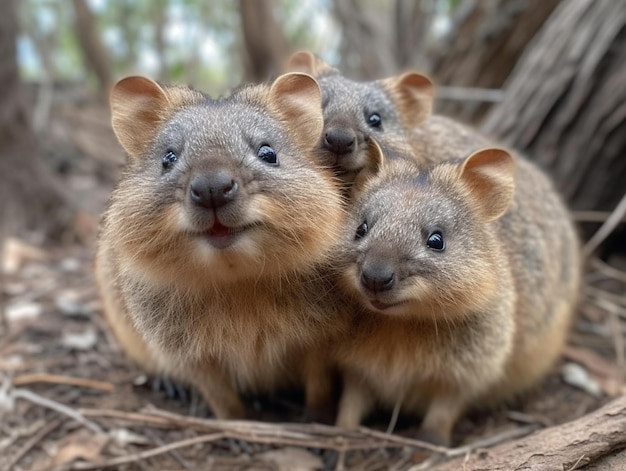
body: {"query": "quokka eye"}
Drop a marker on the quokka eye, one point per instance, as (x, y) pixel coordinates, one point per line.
(267, 155)
(168, 159)
(435, 242)
(361, 231)
(374, 120)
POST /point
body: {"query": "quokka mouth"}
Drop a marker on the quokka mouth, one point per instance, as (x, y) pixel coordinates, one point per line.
(221, 236)
(381, 306)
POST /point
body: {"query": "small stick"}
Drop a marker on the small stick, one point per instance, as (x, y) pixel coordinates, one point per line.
(394, 416)
(43, 431)
(173, 453)
(608, 270)
(591, 216)
(605, 229)
(150, 453)
(57, 406)
(27, 379)
(493, 440)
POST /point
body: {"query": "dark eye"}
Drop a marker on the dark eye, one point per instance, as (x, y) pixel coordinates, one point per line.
(267, 155)
(169, 159)
(361, 231)
(435, 242)
(374, 120)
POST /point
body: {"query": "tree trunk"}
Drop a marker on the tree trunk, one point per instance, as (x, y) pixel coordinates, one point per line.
(366, 45)
(160, 21)
(266, 46)
(94, 53)
(487, 40)
(30, 196)
(565, 102)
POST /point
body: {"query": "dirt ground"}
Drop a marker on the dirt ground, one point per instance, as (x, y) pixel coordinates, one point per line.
(70, 400)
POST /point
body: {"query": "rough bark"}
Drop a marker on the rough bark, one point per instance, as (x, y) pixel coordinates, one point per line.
(265, 43)
(365, 41)
(30, 196)
(160, 21)
(581, 444)
(565, 102)
(487, 40)
(95, 55)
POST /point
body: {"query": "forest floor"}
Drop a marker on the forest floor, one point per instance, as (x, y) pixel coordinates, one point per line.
(69, 399)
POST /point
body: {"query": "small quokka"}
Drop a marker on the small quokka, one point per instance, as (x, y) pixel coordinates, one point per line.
(212, 252)
(388, 110)
(468, 272)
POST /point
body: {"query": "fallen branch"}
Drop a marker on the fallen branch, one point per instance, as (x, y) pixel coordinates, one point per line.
(26, 379)
(57, 406)
(568, 446)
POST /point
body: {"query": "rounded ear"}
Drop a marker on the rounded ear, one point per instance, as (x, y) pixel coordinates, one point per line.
(374, 165)
(137, 106)
(412, 94)
(309, 63)
(297, 99)
(490, 176)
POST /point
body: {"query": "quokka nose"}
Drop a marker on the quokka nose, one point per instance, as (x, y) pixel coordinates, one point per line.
(377, 277)
(213, 190)
(339, 140)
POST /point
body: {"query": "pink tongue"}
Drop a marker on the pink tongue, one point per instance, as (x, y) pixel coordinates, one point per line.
(218, 230)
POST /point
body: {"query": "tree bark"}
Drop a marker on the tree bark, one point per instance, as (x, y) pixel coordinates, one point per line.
(582, 444)
(365, 41)
(487, 40)
(565, 102)
(266, 46)
(30, 196)
(95, 55)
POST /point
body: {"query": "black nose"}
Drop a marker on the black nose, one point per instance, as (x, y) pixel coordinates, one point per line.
(377, 277)
(213, 190)
(339, 140)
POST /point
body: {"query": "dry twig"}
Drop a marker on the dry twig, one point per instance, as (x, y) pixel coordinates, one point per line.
(27, 379)
(149, 453)
(57, 406)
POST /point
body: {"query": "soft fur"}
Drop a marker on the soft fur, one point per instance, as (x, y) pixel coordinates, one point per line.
(483, 319)
(238, 318)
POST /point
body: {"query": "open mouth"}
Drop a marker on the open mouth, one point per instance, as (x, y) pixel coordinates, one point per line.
(221, 236)
(381, 306)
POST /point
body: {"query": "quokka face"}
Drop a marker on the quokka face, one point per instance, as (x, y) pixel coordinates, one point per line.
(213, 183)
(421, 243)
(353, 111)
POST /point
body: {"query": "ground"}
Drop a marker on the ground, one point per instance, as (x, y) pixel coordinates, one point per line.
(53, 335)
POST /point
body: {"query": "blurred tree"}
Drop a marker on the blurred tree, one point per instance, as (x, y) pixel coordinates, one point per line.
(95, 55)
(159, 8)
(483, 46)
(266, 46)
(565, 102)
(31, 198)
(365, 48)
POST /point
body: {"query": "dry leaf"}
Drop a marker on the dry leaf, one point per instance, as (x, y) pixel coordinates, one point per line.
(292, 459)
(15, 253)
(82, 444)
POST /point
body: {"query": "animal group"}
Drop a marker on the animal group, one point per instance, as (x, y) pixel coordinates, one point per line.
(316, 227)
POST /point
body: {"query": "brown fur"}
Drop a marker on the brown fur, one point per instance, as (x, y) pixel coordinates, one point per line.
(242, 317)
(482, 320)
(402, 102)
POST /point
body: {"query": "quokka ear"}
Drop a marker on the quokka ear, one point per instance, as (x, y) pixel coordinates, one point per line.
(374, 165)
(309, 63)
(297, 99)
(490, 176)
(137, 108)
(412, 94)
